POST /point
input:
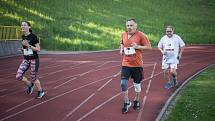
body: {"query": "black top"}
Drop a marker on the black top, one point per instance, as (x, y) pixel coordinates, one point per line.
(32, 39)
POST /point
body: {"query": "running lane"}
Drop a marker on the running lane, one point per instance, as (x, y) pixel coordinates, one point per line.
(85, 87)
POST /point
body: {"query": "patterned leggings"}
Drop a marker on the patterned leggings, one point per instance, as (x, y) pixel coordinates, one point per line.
(34, 66)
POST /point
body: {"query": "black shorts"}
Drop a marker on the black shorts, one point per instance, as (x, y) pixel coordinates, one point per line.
(134, 72)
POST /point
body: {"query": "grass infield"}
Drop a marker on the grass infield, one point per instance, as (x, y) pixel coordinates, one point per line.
(196, 102)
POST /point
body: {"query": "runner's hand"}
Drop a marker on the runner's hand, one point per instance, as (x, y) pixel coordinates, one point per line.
(179, 57)
(20, 50)
(163, 52)
(134, 45)
(121, 52)
(25, 43)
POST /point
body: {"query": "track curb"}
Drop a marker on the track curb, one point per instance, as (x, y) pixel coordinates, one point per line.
(171, 98)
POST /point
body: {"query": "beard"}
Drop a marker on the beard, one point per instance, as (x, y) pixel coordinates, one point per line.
(169, 35)
(130, 31)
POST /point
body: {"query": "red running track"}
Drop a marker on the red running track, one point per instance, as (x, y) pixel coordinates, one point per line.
(85, 87)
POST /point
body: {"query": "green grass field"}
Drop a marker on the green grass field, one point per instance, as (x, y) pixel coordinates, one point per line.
(197, 101)
(97, 24)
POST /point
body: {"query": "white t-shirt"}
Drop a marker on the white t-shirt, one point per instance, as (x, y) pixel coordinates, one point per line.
(171, 46)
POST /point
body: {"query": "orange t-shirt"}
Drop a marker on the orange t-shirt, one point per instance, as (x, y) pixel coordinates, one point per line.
(140, 39)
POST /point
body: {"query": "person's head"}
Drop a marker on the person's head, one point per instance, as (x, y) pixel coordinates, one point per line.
(131, 26)
(169, 31)
(26, 26)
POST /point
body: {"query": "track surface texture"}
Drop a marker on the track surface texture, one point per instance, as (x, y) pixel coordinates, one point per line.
(86, 86)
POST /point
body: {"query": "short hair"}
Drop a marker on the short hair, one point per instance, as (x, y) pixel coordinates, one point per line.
(169, 26)
(132, 19)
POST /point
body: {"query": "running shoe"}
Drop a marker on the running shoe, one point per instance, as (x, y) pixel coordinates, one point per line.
(126, 107)
(168, 85)
(40, 94)
(30, 88)
(136, 105)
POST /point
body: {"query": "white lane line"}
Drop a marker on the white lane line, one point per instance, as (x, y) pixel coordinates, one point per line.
(53, 98)
(116, 74)
(54, 72)
(92, 70)
(43, 75)
(60, 80)
(103, 64)
(99, 106)
(153, 70)
(141, 110)
(70, 113)
(147, 91)
(99, 89)
(104, 85)
(10, 109)
(110, 67)
(14, 92)
(82, 74)
(51, 73)
(65, 83)
(116, 95)
(56, 65)
(2, 90)
(87, 72)
(68, 77)
(46, 91)
(78, 107)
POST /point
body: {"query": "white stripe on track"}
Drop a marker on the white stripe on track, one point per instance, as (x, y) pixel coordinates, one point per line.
(99, 106)
(60, 95)
(116, 95)
(147, 91)
(82, 103)
(99, 89)
(65, 83)
(10, 109)
(2, 90)
(46, 91)
(53, 98)
(141, 110)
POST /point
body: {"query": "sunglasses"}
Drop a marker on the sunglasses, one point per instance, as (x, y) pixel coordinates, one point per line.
(168, 31)
(129, 25)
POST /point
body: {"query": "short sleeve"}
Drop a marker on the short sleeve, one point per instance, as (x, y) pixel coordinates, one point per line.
(180, 41)
(160, 43)
(144, 40)
(36, 39)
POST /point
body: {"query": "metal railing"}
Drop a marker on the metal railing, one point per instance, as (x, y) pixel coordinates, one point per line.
(10, 33)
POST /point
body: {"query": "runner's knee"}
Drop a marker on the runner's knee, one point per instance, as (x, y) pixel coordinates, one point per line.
(166, 72)
(173, 73)
(124, 84)
(19, 77)
(137, 87)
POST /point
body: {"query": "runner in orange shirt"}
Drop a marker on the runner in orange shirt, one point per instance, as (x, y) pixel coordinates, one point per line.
(133, 42)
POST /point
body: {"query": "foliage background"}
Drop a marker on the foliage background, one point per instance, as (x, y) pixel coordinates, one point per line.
(97, 24)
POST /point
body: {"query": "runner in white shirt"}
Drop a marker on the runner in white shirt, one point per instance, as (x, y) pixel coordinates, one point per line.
(171, 46)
